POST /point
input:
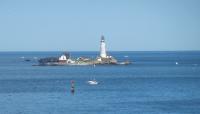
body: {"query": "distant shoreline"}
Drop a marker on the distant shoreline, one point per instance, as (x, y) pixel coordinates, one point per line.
(108, 51)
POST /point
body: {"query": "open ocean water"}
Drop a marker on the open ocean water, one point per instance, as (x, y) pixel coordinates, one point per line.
(153, 84)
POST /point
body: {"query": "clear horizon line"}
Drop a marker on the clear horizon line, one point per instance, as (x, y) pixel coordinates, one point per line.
(98, 51)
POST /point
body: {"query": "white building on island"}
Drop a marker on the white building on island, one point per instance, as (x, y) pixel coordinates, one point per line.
(103, 48)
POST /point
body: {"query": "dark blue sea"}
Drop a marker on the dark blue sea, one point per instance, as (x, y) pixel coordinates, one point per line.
(152, 84)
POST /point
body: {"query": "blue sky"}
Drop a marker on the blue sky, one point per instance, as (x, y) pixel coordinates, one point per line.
(77, 25)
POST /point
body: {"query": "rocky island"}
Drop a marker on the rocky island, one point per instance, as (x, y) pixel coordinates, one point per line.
(66, 59)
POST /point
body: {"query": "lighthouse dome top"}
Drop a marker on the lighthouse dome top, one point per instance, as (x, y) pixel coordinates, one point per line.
(102, 38)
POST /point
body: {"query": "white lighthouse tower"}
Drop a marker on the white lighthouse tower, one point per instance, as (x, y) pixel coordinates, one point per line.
(103, 48)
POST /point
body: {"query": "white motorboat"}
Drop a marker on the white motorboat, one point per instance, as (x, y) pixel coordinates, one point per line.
(92, 82)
